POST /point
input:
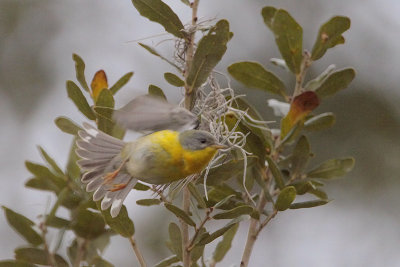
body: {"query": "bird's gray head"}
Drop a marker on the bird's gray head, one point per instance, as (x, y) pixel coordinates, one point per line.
(197, 140)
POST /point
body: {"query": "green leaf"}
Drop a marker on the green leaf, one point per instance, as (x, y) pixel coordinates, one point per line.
(175, 237)
(315, 83)
(75, 94)
(41, 184)
(264, 134)
(121, 224)
(332, 168)
(118, 131)
(38, 256)
(268, 14)
(209, 52)
(291, 136)
(223, 201)
(173, 79)
(158, 11)
(88, 224)
(166, 262)
(57, 222)
(196, 194)
(330, 35)
(285, 198)
(301, 155)
(198, 250)
(308, 204)
(275, 172)
(180, 214)
(225, 244)
(228, 170)
(23, 226)
(72, 250)
(337, 81)
(208, 238)
(288, 36)
(71, 199)
(220, 197)
(156, 91)
(121, 82)
(50, 161)
(92, 248)
(80, 71)
(253, 74)
(67, 125)
(43, 172)
(319, 194)
(15, 263)
(141, 187)
(73, 171)
(302, 186)
(234, 213)
(317, 183)
(320, 122)
(155, 53)
(148, 202)
(104, 109)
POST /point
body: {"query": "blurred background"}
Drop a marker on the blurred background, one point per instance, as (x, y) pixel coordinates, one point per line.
(361, 227)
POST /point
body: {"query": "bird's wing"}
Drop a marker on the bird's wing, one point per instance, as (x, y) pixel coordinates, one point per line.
(100, 156)
(150, 114)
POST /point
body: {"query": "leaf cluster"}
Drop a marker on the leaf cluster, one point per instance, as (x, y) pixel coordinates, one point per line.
(275, 173)
(91, 227)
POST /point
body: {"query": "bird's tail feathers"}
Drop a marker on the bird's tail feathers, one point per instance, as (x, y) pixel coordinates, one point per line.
(102, 164)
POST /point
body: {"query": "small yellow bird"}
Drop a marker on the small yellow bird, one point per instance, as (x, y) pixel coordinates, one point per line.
(113, 167)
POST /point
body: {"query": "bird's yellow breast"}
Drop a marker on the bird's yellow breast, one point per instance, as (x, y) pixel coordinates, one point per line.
(175, 162)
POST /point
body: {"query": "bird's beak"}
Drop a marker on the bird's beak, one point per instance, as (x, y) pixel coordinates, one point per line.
(219, 146)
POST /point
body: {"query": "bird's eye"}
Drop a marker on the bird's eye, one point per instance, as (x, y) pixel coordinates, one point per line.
(203, 141)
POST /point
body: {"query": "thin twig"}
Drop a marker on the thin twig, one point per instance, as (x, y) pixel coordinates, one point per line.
(138, 254)
(266, 221)
(185, 229)
(80, 254)
(305, 64)
(189, 95)
(50, 256)
(253, 232)
(203, 222)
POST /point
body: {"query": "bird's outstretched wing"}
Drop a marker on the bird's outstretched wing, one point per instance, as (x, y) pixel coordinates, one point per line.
(102, 165)
(150, 114)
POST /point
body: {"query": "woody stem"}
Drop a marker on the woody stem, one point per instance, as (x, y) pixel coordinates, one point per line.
(190, 91)
(189, 99)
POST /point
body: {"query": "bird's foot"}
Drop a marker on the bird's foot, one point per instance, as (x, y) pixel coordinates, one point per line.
(110, 177)
(117, 187)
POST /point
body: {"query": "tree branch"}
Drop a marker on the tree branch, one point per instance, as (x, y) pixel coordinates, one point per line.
(253, 232)
(189, 92)
(189, 95)
(80, 254)
(50, 256)
(305, 64)
(185, 229)
(138, 254)
(203, 222)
